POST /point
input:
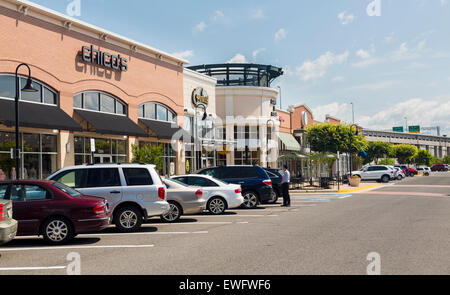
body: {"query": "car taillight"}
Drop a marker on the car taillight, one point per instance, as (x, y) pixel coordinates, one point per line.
(162, 193)
(99, 209)
(268, 182)
(238, 191)
(2, 212)
(199, 193)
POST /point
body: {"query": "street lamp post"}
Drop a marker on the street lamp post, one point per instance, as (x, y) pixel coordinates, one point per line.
(267, 141)
(27, 88)
(351, 147)
(353, 112)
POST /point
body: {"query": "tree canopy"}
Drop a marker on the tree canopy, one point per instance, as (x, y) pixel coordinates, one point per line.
(377, 150)
(405, 153)
(423, 157)
(335, 137)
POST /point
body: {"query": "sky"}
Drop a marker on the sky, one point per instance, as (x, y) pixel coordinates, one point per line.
(390, 58)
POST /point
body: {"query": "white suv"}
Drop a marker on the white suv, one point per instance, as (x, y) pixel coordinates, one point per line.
(134, 192)
(376, 172)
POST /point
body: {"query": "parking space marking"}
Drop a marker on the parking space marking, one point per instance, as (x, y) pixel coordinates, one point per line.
(345, 197)
(191, 223)
(140, 233)
(32, 268)
(236, 215)
(73, 247)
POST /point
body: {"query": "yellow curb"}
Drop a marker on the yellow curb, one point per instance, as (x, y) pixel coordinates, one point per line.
(357, 189)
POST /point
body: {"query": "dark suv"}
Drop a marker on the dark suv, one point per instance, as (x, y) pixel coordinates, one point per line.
(254, 181)
(276, 177)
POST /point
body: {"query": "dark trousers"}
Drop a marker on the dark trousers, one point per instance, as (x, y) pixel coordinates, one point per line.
(285, 192)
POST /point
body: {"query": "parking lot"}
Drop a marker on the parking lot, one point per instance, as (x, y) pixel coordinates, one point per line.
(319, 234)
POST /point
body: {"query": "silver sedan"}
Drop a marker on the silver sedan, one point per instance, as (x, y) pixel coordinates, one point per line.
(8, 226)
(183, 199)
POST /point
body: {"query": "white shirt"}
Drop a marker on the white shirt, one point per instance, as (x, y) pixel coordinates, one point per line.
(286, 177)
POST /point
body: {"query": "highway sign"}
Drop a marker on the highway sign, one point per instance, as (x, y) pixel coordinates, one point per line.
(397, 129)
(414, 129)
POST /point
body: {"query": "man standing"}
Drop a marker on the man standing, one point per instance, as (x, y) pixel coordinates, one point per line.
(285, 187)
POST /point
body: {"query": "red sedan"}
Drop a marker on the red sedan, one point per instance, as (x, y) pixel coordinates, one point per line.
(53, 210)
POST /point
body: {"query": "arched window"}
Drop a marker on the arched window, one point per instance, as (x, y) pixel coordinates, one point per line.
(156, 111)
(45, 94)
(100, 102)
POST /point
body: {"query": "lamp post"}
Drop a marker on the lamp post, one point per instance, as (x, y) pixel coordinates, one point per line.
(351, 147)
(353, 112)
(196, 137)
(267, 141)
(27, 88)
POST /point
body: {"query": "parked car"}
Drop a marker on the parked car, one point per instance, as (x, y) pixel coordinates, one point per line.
(439, 167)
(411, 172)
(395, 175)
(377, 172)
(276, 177)
(424, 170)
(182, 199)
(404, 168)
(255, 182)
(221, 195)
(135, 192)
(8, 225)
(399, 173)
(54, 210)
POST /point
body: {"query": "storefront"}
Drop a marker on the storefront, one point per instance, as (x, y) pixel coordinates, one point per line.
(98, 94)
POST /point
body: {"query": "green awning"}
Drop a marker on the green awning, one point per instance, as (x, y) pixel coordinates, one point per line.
(292, 155)
(291, 144)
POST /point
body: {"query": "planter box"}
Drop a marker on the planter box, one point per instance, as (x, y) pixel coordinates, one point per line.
(354, 182)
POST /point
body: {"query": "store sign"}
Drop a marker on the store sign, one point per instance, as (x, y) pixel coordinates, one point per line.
(116, 62)
(305, 118)
(200, 97)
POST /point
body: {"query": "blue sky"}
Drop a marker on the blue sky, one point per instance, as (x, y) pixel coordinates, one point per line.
(391, 66)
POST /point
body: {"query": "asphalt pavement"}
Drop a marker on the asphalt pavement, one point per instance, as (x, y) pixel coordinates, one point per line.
(406, 222)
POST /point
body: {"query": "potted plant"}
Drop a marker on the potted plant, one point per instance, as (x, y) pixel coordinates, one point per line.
(354, 181)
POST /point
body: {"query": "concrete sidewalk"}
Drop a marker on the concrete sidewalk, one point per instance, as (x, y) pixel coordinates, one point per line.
(344, 188)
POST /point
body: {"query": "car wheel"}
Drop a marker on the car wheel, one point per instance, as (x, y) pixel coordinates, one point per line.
(274, 197)
(250, 200)
(216, 206)
(57, 230)
(411, 174)
(174, 213)
(385, 178)
(128, 219)
(399, 177)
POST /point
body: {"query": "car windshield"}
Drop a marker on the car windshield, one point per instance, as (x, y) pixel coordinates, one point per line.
(70, 191)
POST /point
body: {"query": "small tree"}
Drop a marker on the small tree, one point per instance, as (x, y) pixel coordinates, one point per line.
(149, 154)
(386, 161)
(405, 153)
(379, 149)
(446, 160)
(423, 157)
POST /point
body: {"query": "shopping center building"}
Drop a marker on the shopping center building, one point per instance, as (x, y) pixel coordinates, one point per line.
(91, 84)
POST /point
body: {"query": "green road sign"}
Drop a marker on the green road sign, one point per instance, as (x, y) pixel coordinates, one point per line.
(397, 129)
(414, 129)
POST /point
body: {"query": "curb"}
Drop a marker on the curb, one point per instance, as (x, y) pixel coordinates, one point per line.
(360, 188)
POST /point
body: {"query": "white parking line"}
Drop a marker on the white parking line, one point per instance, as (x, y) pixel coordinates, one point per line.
(190, 223)
(140, 233)
(32, 268)
(345, 197)
(235, 215)
(74, 247)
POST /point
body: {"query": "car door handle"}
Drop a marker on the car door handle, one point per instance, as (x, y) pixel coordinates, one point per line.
(114, 192)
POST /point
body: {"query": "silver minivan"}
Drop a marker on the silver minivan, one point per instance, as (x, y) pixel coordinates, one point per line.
(134, 192)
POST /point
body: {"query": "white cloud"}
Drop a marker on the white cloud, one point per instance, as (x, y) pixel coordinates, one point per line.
(338, 79)
(346, 18)
(280, 35)
(238, 58)
(311, 70)
(375, 86)
(257, 14)
(200, 27)
(436, 111)
(342, 111)
(184, 54)
(389, 38)
(405, 51)
(444, 2)
(257, 52)
(218, 15)
(363, 54)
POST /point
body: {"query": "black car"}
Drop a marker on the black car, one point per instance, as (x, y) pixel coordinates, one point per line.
(255, 182)
(276, 177)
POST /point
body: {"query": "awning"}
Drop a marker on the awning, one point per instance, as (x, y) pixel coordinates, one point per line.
(292, 155)
(112, 124)
(35, 115)
(165, 130)
(289, 141)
